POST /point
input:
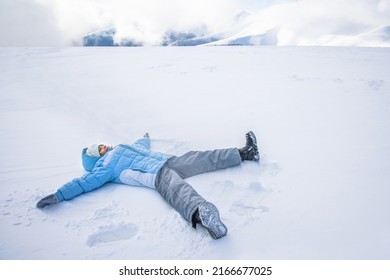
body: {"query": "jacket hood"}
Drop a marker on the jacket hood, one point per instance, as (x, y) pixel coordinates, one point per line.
(88, 161)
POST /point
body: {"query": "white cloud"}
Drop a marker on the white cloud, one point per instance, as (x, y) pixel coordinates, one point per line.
(148, 20)
(64, 22)
(307, 22)
(45, 22)
(26, 23)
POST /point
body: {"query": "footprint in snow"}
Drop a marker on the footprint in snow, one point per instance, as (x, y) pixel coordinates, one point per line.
(112, 233)
(376, 84)
(242, 203)
(269, 166)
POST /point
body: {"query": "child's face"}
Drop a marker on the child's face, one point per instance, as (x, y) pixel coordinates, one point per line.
(103, 149)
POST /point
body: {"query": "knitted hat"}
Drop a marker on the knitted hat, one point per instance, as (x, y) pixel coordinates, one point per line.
(93, 151)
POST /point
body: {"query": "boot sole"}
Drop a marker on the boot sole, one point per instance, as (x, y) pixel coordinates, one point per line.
(256, 157)
(209, 217)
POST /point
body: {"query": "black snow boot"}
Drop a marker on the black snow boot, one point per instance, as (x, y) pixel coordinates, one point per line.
(47, 200)
(208, 215)
(250, 151)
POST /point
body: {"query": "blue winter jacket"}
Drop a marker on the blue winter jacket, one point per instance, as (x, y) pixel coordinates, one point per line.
(133, 165)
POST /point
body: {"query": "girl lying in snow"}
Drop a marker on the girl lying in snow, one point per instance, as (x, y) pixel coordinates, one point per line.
(136, 165)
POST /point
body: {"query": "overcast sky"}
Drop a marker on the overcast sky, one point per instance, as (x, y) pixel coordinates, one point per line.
(64, 22)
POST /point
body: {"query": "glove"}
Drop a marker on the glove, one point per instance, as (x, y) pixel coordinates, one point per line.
(47, 200)
(146, 135)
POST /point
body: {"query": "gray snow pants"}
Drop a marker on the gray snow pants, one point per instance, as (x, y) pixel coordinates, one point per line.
(170, 180)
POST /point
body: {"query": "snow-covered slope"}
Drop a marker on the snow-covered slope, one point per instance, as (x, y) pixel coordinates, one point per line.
(321, 115)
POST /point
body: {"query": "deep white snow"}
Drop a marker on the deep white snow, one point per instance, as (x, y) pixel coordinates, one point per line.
(321, 115)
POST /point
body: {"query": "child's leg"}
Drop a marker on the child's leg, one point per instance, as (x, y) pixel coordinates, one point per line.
(178, 193)
(194, 163)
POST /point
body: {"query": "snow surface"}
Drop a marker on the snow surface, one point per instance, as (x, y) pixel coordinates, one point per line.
(321, 115)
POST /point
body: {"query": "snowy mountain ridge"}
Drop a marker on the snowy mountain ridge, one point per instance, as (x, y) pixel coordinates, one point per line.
(259, 29)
